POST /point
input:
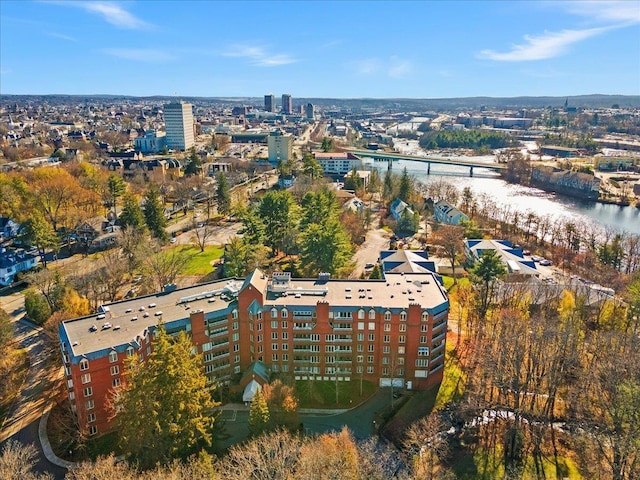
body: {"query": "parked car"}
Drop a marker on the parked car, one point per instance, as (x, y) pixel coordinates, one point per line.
(536, 258)
(545, 263)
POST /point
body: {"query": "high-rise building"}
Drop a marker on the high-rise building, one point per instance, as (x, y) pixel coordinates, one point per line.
(287, 105)
(310, 111)
(269, 103)
(391, 332)
(179, 125)
(280, 146)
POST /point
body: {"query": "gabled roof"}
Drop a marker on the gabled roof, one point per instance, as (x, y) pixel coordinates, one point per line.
(257, 279)
(406, 261)
(513, 258)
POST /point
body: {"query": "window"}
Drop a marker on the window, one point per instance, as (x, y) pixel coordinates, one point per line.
(360, 358)
(400, 372)
(236, 359)
(359, 369)
(89, 405)
(235, 325)
(284, 313)
(423, 351)
(386, 349)
(274, 314)
(360, 314)
(285, 346)
(372, 314)
(328, 348)
(285, 335)
(372, 337)
(259, 327)
(387, 315)
(385, 360)
(403, 327)
(361, 337)
(425, 316)
(85, 378)
(423, 339)
(93, 430)
(387, 327)
(84, 364)
(285, 325)
(369, 358)
(274, 324)
(274, 335)
(400, 350)
(259, 348)
(115, 370)
(422, 362)
(386, 338)
(260, 338)
(274, 357)
(360, 348)
(360, 325)
(234, 314)
(113, 356)
(370, 369)
(88, 391)
(424, 327)
(400, 360)
(91, 417)
(372, 325)
(72, 396)
(236, 348)
(385, 371)
(235, 337)
(285, 357)
(274, 346)
(130, 351)
(402, 338)
(371, 348)
(115, 382)
(403, 316)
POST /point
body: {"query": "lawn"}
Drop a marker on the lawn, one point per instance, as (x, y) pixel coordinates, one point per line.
(322, 393)
(199, 263)
(14, 365)
(450, 286)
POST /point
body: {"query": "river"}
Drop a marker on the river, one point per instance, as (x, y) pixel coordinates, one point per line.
(521, 198)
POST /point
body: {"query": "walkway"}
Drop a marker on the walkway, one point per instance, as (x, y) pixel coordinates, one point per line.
(24, 421)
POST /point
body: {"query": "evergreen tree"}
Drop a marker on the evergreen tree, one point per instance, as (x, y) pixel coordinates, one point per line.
(131, 215)
(36, 307)
(405, 189)
(223, 194)
(258, 414)
(154, 213)
(194, 163)
(235, 258)
(376, 273)
(279, 214)
(165, 411)
(388, 186)
(254, 230)
(311, 166)
(374, 182)
(116, 186)
(36, 231)
(484, 274)
(325, 247)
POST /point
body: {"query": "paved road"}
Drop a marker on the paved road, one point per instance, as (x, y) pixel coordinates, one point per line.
(369, 252)
(24, 418)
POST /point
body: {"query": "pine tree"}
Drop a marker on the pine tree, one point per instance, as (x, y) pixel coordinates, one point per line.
(223, 194)
(194, 163)
(117, 187)
(166, 410)
(405, 190)
(258, 413)
(131, 215)
(154, 213)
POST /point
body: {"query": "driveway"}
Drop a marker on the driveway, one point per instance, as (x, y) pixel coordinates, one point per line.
(22, 422)
(369, 251)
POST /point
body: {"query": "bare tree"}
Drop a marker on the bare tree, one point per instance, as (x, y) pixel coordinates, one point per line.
(17, 462)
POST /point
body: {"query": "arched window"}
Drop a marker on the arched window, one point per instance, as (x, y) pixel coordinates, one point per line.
(387, 315)
(274, 313)
(372, 314)
(361, 314)
(84, 364)
(403, 316)
(425, 316)
(284, 312)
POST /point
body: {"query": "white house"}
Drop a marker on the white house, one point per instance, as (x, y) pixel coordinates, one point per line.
(447, 213)
(13, 262)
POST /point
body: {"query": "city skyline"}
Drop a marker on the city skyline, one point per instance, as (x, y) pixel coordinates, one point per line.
(320, 49)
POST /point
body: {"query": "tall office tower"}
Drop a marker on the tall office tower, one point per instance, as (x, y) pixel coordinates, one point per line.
(179, 125)
(270, 103)
(310, 111)
(287, 105)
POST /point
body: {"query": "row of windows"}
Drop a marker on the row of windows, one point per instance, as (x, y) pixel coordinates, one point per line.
(284, 313)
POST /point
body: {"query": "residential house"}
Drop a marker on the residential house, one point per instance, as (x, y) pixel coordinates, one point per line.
(13, 262)
(446, 213)
(8, 228)
(516, 264)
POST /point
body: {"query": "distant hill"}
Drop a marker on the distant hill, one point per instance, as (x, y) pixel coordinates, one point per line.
(406, 104)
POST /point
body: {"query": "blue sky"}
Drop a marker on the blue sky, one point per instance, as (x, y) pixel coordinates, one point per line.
(320, 49)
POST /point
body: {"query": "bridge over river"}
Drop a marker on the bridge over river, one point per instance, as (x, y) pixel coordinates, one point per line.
(380, 156)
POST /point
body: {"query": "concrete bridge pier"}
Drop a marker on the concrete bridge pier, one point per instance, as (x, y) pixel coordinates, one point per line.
(389, 164)
(471, 171)
(428, 168)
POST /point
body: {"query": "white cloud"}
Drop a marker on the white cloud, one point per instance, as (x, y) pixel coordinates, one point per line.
(258, 56)
(61, 36)
(111, 12)
(539, 47)
(626, 12)
(148, 55)
(399, 67)
(367, 66)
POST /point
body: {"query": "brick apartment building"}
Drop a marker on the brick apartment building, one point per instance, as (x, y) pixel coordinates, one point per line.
(385, 331)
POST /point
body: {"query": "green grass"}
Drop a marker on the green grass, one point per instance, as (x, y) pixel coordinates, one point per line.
(322, 393)
(199, 263)
(480, 465)
(453, 382)
(449, 284)
(14, 366)
(102, 446)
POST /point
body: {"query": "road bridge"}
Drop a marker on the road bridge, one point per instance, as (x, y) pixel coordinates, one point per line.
(380, 156)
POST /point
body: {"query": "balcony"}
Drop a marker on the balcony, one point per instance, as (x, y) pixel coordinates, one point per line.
(439, 338)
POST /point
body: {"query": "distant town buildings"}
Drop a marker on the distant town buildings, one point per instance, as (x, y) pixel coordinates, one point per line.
(337, 163)
(179, 125)
(269, 103)
(151, 142)
(287, 104)
(280, 146)
(310, 111)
